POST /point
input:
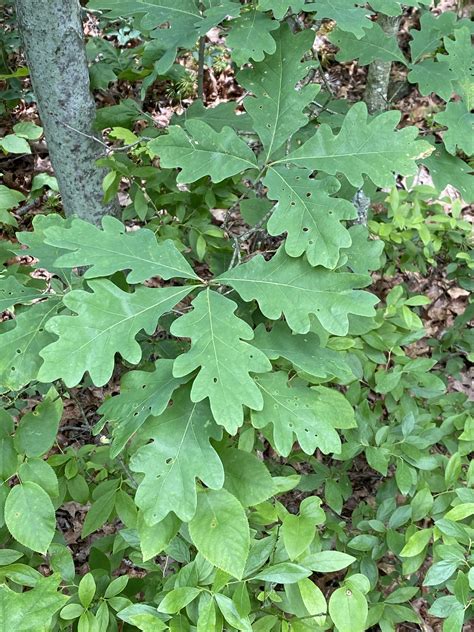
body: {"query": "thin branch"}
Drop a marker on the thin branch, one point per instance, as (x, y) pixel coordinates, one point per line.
(202, 53)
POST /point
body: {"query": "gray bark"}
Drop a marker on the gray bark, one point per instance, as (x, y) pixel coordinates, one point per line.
(378, 78)
(54, 46)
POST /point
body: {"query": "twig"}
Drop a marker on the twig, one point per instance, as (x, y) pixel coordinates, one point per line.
(202, 52)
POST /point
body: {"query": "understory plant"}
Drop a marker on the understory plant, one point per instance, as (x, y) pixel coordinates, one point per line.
(266, 449)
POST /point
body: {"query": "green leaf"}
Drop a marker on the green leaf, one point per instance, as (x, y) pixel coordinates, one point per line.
(312, 597)
(201, 151)
(309, 216)
(226, 361)
(112, 249)
(249, 37)
(28, 129)
(373, 45)
(395, 7)
(155, 538)
(40, 472)
(349, 17)
(432, 28)
(281, 7)
(178, 599)
(295, 416)
(9, 556)
(416, 543)
(22, 340)
(29, 516)
(446, 169)
(298, 532)
(9, 198)
(292, 287)
(348, 610)
(363, 147)
(283, 573)
(87, 588)
(460, 58)
(277, 107)
(328, 561)
(180, 453)
(222, 115)
(460, 123)
(143, 617)
(37, 247)
(303, 351)
(107, 321)
(37, 429)
(231, 614)
(246, 477)
(432, 76)
(32, 609)
(12, 293)
(99, 512)
(364, 254)
(220, 531)
(142, 394)
(440, 572)
(13, 144)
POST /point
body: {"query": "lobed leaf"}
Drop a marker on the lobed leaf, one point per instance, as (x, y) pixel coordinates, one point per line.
(201, 151)
(293, 288)
(112, 249)
(363, 146)
(107, 321)
(225, 360)
(179, 453)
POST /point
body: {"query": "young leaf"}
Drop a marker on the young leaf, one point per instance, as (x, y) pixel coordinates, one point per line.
(142, 393)
(107, 321)
(29, 516)
(363, 147)
(220, 531)
(111, 249)
(292, 287)
(200, 151)
(250, 38)
(226, 361)
(295, 416)
(180, 453)
(277, 107)
(373, 45)
(328, 561)
(309, 215)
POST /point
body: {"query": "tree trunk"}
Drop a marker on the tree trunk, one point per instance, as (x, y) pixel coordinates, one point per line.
(54, 47)
(378, 78)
